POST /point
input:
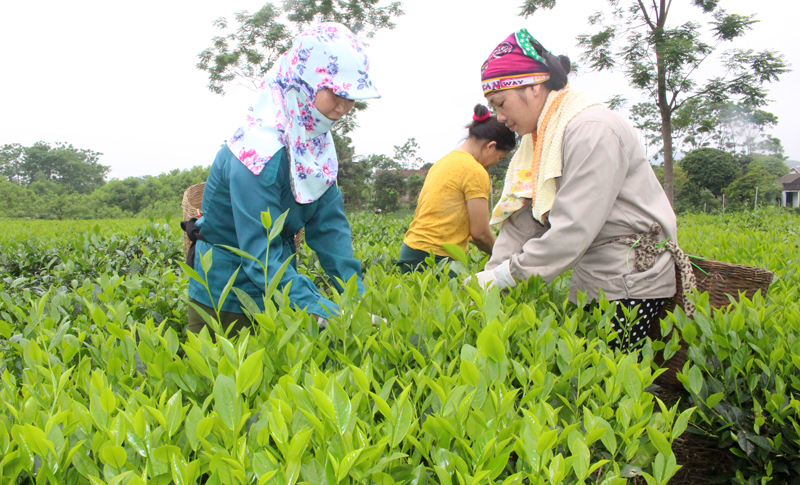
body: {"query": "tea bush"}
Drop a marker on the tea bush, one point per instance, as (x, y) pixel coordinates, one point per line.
(743, 361)
(101, 384)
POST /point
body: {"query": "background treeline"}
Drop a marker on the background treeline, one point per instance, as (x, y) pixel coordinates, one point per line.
(705, 178)
(59, 181)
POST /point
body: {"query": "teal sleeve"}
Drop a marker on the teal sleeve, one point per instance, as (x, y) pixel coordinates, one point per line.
(328, 234)
(251, 195)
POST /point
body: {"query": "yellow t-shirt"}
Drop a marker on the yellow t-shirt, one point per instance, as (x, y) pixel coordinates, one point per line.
(441, 216)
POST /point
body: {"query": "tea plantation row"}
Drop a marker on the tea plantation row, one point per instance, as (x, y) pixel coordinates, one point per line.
(100, 383)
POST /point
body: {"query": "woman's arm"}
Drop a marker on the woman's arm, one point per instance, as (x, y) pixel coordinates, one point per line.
(479, 230)
(250, 195)
(328, 234)
(595, 164)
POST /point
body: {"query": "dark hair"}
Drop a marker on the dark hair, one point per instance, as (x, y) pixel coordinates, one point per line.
(559, 67)
(491, 130)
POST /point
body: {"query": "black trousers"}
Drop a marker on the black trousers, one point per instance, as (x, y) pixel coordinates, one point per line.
(632, 329)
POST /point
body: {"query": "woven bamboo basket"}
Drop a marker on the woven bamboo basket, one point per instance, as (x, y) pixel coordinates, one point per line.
(719, 280)
(192, 206)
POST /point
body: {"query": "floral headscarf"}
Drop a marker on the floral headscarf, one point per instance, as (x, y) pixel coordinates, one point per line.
(514, 63)
(284, 115)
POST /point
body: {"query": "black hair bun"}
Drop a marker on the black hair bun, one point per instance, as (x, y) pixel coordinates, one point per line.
(566, 65)
(480, 110)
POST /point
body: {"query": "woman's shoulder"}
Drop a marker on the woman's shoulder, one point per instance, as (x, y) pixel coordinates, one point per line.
(598, 124)
(457, 157)
(597, 116)
(264, 175)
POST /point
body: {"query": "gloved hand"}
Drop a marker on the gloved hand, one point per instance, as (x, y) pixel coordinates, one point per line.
(500, 277)
(485, 279)
(322, 322)
(376, 320)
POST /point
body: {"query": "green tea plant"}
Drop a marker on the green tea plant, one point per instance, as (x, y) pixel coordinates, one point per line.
(457, 386)
(742, 369)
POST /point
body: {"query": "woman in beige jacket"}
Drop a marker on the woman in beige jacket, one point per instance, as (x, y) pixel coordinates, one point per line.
(579, 192)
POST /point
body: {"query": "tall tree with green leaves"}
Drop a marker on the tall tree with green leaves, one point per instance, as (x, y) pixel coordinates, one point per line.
(734, 127)
(244, 54)
(661, 59)
(406, 154)
(73, 169)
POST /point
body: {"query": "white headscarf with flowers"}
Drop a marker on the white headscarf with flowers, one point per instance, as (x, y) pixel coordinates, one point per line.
(325, 56)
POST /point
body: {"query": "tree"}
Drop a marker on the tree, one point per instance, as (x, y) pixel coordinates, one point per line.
(15, 200)
(771, 164)
(661, 60)
(741, 127)
(353, 177)
(11, 159)
(733, 127)
(244, 56)
(680, 178)
(414, 187)
(380, 162)
(74, 169)
(711, 169)
(743, 189)
(688, 195)
(389, 186)
(406, 154)
(497, 172)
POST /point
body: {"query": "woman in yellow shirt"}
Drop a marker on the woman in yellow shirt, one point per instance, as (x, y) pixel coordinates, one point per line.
(453, 205)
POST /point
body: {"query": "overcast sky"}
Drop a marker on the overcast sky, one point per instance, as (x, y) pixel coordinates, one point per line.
(120, 78)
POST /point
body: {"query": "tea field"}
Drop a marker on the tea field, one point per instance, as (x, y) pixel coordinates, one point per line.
(100, 384)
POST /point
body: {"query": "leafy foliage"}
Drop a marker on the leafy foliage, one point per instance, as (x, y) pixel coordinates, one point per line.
(389, 187)
(743, 189)
(100, 384)
(413, 187)
(455, 385)
(743, 360)
(661, 61)
(245, 54)
(71, 169)
(710, 169)
(406, 154)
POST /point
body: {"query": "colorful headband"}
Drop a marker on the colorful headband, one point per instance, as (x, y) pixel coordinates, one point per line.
(482, 118)
(514, 63)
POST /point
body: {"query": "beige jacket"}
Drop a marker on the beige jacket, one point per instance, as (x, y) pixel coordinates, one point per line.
(607, 189)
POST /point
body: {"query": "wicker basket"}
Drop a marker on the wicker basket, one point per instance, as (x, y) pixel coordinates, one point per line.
(192, 204)
(719, 280)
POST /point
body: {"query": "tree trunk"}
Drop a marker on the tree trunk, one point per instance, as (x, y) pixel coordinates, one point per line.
(663, 104)
(666, 133)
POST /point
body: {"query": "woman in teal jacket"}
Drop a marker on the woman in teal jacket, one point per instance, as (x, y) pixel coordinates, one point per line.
(282, 158)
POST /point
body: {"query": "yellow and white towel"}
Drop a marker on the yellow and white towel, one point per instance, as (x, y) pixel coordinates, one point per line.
(538, 160)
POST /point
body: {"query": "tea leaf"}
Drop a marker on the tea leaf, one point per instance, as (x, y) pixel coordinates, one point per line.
(249, 373)
(226, 400)
(114, 456)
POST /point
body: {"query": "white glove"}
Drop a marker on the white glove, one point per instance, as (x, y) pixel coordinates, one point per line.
(322, 322)
(485, 279)
(376, 320)
(500, 277)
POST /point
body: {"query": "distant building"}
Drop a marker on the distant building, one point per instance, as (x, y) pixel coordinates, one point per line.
(791, 188)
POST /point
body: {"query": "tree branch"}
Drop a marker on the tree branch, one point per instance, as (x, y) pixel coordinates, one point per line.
(696, 65)
(646, 17)
(705, 91)
(675, 94)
